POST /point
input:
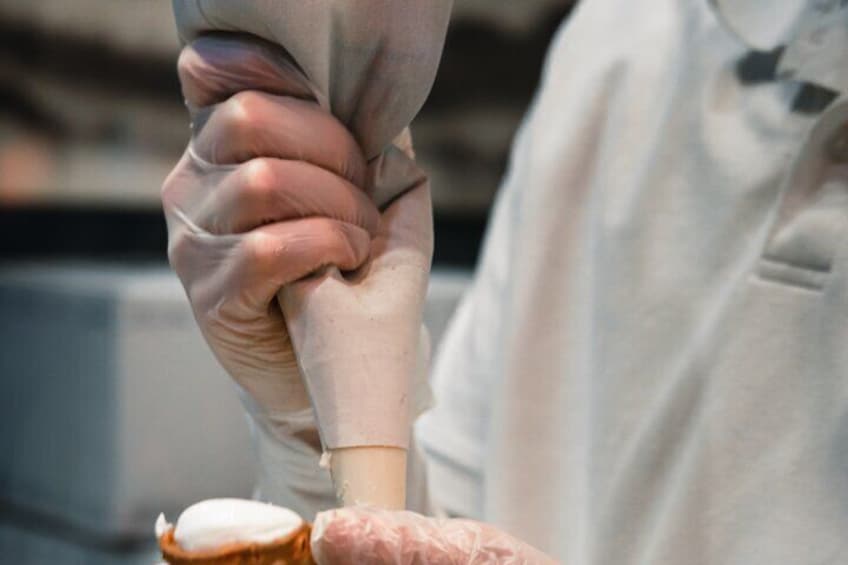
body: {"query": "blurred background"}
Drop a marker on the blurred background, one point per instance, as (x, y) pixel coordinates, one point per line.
(112, 408)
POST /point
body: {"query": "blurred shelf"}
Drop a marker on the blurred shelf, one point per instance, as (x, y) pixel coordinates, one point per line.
(121, 234)
(41, 172)
(92, 121)
(148, 26)
(517, 18)
(140, 26)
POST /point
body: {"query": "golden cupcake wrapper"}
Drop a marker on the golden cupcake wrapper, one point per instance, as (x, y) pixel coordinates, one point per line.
(291, 550)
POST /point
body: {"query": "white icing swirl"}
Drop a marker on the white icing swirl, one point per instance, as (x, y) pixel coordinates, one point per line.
(220, 521)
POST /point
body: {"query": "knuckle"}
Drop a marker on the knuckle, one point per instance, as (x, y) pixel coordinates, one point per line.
(169, 191)
(187, 64)
(242, 112)
(261, 251)
(179, 182)
(259, 179)
(177, 247)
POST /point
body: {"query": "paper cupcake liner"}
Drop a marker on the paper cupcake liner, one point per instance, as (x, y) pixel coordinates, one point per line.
(291, 550)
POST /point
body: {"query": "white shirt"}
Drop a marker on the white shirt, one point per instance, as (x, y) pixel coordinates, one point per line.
(652, 364)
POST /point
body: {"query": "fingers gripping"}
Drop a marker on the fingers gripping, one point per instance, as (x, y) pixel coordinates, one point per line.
(239, 275)
(255, 124)
(270, 182)
(266, 190)
(214, 67)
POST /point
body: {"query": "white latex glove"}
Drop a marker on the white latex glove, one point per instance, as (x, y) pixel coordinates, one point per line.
(367, 535)
(372, 61)
(266, 193)
(251, 159)
(371, 64)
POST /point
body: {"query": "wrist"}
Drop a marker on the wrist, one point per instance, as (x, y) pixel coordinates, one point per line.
(294, 420)
(287, 466)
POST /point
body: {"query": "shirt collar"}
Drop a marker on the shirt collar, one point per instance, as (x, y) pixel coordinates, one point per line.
(814, 33)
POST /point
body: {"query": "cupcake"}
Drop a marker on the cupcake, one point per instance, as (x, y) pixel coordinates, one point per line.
(230, 531)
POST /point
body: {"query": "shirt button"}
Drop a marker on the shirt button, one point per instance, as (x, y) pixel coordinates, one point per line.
(837, 147)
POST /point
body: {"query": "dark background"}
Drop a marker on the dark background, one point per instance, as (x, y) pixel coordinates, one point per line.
(91, 120)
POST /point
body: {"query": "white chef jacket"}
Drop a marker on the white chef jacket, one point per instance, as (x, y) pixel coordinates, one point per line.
(652, 364)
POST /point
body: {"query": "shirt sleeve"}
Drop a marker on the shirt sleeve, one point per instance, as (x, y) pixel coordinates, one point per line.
(454, 434)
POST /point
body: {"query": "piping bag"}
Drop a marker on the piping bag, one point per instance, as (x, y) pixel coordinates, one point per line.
(372, 64)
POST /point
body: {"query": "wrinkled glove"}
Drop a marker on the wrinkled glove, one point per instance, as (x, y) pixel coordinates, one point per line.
(266, 193)
(370, 63)
(278, 170)
(361, 535)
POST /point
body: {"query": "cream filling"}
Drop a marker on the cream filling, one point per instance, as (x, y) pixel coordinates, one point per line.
(220, 521)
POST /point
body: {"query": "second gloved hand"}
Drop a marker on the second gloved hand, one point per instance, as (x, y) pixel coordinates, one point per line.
(368, 535)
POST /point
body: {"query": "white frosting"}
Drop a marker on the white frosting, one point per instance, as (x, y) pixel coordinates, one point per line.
(219, 521)
(162, 526)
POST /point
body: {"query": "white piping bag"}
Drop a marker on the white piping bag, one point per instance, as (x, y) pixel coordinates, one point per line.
(372, 64)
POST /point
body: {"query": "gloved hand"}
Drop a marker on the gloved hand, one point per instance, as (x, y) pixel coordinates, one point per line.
(364, 535)
(297, 145)
(266, 193)
(252, 160)
(371, 64)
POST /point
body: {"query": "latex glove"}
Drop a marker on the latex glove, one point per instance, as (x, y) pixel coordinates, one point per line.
(372, 61)
(216, 73)
(374, 315)
(266, 193)
(371, 64)
(367, 535)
